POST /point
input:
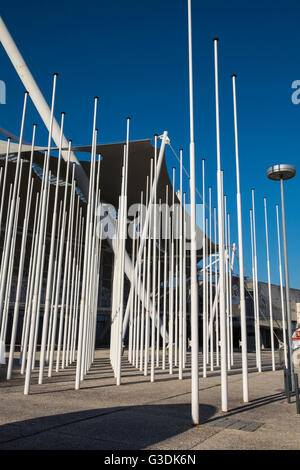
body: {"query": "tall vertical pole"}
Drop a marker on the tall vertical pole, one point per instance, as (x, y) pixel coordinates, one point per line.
(194, 287)
(281, 291)
(269, 287)
(171, 281)
(210, 289)
(226, 281)
(154, 262)
(230, 287)
(81, 325)
(254, 289)
(166, 237)
(180, 310)
(22, 260)
(256, 284)
(184, 292)
(206, 296)
(150, 204)
(224, 385)
(140, 332)
(287, 287)
(241, 254)
(50, 263)
(204, 312)
(158, 287)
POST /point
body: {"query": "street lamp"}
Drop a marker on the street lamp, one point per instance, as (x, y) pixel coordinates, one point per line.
(281, 173)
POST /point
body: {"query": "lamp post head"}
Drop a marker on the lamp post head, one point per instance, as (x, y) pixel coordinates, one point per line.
(283, 171)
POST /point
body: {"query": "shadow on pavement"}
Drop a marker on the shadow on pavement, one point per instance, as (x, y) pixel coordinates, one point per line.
(118, 428)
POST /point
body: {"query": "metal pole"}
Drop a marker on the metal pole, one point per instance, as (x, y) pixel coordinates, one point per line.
(154, 308)
(210, 288)
(216, 292)
(158, 287)
(194, 285)
(256, 284)
(171, 280)
(50, 263)
(287, 288)
(241, 254)
(224, 385)
(146, 356)
(204, 313)
(230, 264)
(227, 282)
(181, 344)
(269, 287)
(254, 290)
(184, 286)
(281, 291)
(165, 281)
(141, 273)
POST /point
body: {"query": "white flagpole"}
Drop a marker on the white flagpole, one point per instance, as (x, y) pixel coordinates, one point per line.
(230, 265)
(146, 356)
(74, 284)
(165, 280)
(65, 289)
(154, 307)
(8, 286)
(194, 285)
(122, 254)
(23, 351)
(181, 274)
(54, 284)
(38, 273)
(58, 272)
(204, 313)
(281, 291)
(9, 274)
(132, 296)
(241, 254)
(176, 288)
(227, 282)
(210, 289)
(50, 263)
(206, 273)
(216, 292)
(141, 302)
(171, 282)
(158, 287)
(81, 341)
(269, 287)
(19, 285)
(254, 289)
(77, 303)
(224, 385)
(256, 282)
(184, 292)
(22, 260)
(41, 280)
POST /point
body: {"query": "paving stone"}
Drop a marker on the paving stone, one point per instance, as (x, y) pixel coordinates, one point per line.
(140, 414)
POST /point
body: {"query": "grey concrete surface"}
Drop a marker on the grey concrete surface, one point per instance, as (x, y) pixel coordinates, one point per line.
(143, 415)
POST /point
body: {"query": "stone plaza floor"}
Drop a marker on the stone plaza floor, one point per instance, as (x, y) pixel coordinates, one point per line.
(143, 415)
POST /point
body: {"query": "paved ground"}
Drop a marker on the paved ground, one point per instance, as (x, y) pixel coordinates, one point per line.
(141, 415)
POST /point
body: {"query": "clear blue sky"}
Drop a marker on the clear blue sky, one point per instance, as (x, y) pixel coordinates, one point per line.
(133, 55)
